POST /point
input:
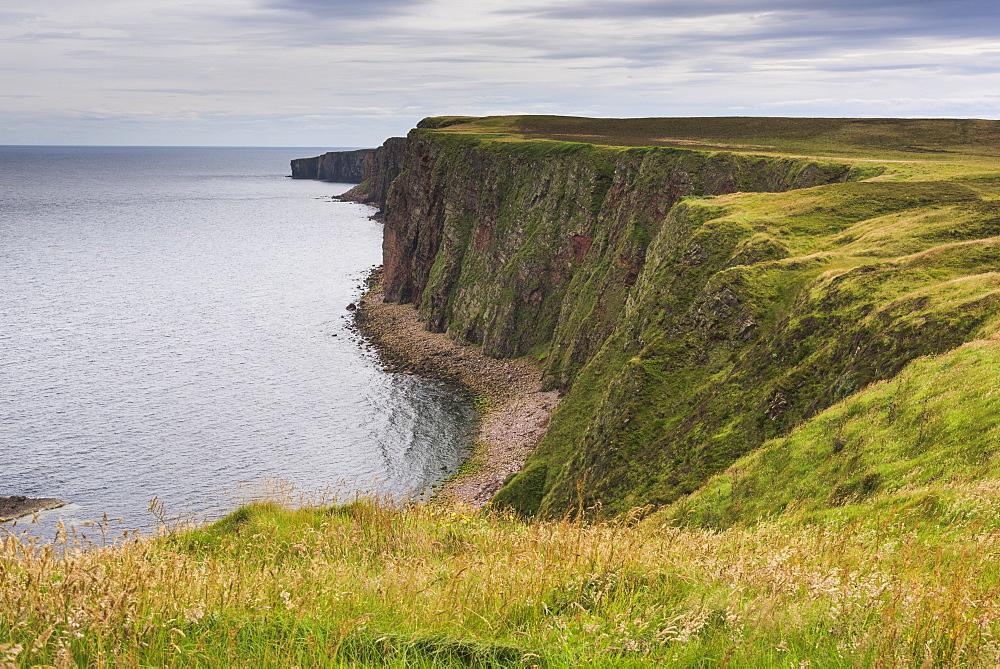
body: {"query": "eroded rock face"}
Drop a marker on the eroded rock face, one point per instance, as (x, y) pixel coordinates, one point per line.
(515, 248)
(587, 258)
(17, 506)
(338, 166)
(380, 168)
(682, 333)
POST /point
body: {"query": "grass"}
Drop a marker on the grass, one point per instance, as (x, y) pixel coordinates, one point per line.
(922, 438)
(797, 390)
(913, 141)
(754, 311)
(367, 584)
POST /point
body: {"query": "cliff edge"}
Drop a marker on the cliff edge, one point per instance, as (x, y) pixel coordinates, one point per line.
(693, 287)
(338, 166)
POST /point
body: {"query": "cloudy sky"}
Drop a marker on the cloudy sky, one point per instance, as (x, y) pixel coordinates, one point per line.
(350, 73)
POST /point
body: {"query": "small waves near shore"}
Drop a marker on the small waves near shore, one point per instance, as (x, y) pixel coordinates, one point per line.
(515, 409)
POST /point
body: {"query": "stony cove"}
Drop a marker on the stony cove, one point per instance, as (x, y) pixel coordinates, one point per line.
(703, 291)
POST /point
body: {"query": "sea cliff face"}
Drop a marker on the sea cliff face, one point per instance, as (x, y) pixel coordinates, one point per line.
(690, 304)
(517, 246)
(380, 168)
(339, 166)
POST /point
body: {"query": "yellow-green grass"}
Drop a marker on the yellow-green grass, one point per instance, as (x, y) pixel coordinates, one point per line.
(899, 268)
(915, 141)
(370, 585)
(929, 435)
(867, 536)
(877, 149)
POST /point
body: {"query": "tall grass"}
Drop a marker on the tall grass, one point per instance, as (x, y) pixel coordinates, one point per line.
(374, 585)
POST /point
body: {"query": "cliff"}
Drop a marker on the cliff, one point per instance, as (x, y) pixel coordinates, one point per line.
(338, 166)
(380, 168)
(692, 288)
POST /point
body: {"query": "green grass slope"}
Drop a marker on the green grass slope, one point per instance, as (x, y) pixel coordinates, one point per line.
(929, 437)
(753, 312)
(794, 301)
(366, 585)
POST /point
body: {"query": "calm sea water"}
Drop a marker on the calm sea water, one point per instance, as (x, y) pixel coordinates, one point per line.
(173, 325)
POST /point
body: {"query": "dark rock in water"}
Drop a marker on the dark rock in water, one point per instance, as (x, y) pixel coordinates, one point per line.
(19, 505)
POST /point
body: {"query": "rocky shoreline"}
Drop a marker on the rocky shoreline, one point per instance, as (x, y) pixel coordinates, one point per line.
(514, 410)
(18, 506)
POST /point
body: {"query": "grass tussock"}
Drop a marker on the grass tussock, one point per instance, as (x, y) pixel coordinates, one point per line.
(370, 585)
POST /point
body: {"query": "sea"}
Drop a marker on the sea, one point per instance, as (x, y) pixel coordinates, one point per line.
(175, 340)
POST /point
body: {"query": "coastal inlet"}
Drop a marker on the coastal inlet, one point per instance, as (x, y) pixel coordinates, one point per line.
(176, 329)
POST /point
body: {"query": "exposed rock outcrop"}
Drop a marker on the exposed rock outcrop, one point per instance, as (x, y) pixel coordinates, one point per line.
(338, 166)
(685, 302)
(516, 246)
(380, 169)
(17, 506)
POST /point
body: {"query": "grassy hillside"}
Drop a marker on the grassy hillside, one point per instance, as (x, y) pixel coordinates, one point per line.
(935, 140)
(927, 439)
(753, 312)
(778, 444)
(367, 585)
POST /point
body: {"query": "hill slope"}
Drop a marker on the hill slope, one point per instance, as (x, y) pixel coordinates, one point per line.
(366, 585)
(802, 378)
(692, 303)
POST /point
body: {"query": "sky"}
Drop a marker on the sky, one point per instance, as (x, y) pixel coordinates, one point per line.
(341, 73)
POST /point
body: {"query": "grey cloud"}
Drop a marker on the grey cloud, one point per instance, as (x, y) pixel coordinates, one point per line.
(887, 17)
(26, 69)
(377, 67)
(776, 40)
(971, 11)
(39, 37)
(840, 67)
(191, 91)
(11, 18)
(346, 9)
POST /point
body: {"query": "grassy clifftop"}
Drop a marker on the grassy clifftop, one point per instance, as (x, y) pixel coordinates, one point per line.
(938, 140)
(696, 287)
(796, 387)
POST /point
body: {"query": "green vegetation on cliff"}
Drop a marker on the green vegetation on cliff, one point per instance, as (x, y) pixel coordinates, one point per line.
(778, 444)
(939, 140)
(924, 440)
(695, 287)
(708, 362)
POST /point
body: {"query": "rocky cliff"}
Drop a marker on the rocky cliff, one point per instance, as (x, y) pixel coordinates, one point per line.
(380, 168)
(691, 304)
(339, 166)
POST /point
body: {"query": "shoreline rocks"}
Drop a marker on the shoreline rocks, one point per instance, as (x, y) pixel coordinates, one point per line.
(514, 411)
(18, 506)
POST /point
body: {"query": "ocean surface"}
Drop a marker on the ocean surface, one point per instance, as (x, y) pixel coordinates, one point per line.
(173, 325)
